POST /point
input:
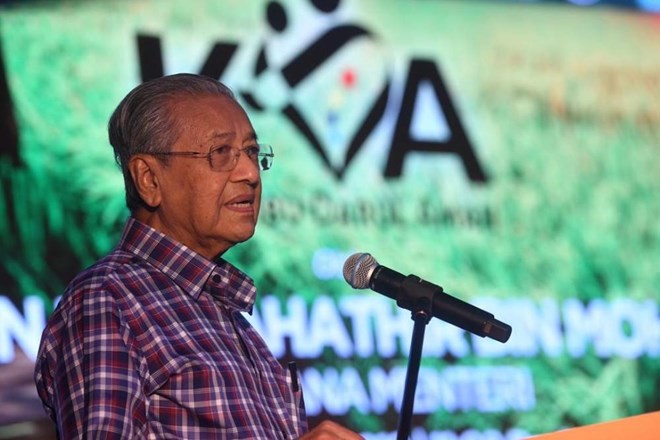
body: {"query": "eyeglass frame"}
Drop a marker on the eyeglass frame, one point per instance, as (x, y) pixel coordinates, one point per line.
(268, 155)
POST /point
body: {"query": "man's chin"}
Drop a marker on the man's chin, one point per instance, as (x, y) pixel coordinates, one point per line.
(245, 235)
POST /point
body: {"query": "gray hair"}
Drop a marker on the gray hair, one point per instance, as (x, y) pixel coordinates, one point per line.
(142, 122)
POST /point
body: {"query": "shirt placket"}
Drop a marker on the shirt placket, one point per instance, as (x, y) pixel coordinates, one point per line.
(256, 367)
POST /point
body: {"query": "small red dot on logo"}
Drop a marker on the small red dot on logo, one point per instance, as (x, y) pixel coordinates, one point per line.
(348, 78)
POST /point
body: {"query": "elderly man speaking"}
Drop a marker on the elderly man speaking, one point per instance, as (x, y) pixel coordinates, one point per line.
(150, 341)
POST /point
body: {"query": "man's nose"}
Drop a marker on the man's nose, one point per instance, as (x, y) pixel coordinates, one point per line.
(246, 168)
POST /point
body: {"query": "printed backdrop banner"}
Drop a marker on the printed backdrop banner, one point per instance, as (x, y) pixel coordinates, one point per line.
(506, 152)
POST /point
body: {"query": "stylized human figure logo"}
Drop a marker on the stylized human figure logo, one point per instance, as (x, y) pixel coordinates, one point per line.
(304, 64)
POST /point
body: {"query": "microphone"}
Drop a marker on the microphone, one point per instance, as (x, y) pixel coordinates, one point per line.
(362, 271)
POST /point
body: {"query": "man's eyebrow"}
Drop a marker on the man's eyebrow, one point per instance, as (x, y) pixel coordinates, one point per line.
(227, 135)
(252, 137)
(221, 135)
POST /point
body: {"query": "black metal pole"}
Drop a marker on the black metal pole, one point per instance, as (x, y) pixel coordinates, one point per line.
(421, 318)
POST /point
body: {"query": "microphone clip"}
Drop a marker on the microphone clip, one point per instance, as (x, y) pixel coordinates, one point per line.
(417, 296)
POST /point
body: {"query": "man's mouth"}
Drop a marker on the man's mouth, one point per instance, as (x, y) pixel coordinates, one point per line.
(241, 202)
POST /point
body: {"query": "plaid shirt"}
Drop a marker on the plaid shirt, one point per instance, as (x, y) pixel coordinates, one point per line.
(150, 343)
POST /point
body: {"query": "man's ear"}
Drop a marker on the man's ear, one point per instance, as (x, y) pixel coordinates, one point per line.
(144, 170)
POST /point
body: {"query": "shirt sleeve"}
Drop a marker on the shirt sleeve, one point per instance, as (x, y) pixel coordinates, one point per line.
(87, 372)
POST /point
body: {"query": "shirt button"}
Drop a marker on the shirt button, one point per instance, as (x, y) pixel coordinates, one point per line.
(216, 278)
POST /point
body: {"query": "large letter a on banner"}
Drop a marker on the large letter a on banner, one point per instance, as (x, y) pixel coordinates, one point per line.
(457, 142)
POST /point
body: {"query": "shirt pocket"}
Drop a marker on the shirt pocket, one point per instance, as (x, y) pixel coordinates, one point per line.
(193, 388)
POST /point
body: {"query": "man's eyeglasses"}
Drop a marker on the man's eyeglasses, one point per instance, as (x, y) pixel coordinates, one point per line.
(225, 158)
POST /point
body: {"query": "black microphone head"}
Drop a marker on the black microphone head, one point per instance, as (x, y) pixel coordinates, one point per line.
(358, 269)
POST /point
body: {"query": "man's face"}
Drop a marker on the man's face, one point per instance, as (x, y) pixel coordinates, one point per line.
(208, 210)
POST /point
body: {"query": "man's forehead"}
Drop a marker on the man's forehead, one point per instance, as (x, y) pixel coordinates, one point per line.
(190, 110)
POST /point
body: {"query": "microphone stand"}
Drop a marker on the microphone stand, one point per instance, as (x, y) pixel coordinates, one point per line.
(420, 302)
